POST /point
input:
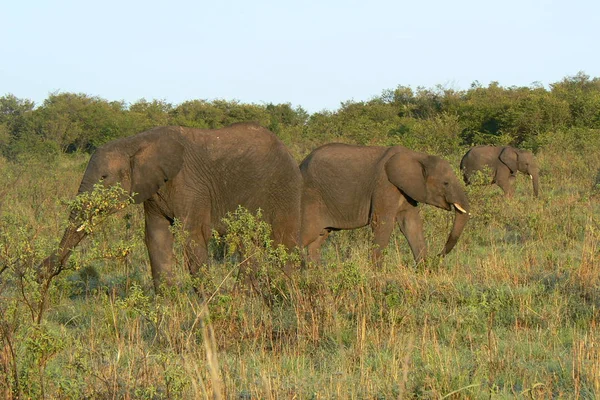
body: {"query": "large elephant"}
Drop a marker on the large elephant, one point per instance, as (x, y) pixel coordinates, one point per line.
(504, 162)
(348, 187)
(195, 176)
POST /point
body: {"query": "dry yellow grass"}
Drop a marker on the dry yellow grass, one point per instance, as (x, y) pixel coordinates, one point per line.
(511, 312)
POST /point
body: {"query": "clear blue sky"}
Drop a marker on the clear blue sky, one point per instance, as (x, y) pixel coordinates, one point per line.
(314, 54)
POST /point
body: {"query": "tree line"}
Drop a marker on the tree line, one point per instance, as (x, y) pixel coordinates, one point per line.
(435, 119)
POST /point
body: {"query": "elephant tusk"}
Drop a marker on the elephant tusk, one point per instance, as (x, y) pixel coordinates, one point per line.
(81, 228)
(530, 176)
(459, 208)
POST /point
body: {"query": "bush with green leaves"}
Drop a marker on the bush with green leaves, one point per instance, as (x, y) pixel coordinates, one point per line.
(261, 263)
(88, 209)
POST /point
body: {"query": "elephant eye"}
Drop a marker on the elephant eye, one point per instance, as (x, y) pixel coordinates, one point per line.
(103, 177)
(446, 183)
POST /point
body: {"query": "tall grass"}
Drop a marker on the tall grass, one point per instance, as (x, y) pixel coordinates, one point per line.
(511, 312)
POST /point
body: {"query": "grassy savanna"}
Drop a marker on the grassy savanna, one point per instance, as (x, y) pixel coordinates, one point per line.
(512, 311)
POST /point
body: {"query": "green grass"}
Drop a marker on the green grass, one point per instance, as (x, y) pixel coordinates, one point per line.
(511, 312)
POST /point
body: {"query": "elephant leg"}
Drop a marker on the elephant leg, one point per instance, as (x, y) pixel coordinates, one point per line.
(313, 233)
(506, 180)
(386, 201)
(196, 248)
(286, 230)
(467, 178)
(512, 179)
(382, 226)
(411, 225)
(195, 251)
(159, 241)
(314, 247)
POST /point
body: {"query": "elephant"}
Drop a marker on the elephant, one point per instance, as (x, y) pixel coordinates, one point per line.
(195, 176)
(505, 162)
(349, 186)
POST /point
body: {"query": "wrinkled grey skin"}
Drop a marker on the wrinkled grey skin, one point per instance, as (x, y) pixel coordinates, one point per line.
(196, 176)
(505, 162)
(348, 187)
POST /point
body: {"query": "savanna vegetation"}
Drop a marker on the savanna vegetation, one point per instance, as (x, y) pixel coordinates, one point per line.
(512, 312)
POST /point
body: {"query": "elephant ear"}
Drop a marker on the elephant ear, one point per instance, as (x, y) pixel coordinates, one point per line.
(408, 173)
(158, 159)
(509, 157)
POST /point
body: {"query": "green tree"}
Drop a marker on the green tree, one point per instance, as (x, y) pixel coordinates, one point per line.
(583, 96)
(217, 114)
(482, 114)
(81, 122)
(143, 114)
(234, 111)
(16, 120)
(283, 115)
(197, 114)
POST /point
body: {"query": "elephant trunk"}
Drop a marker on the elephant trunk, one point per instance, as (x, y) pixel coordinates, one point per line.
(73, 234)
(54, 263)
(460, 220)
(536, 183)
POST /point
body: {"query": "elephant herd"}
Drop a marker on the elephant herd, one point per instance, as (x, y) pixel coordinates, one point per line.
(197, 176)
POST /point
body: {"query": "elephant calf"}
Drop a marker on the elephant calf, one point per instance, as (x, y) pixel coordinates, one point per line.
(195, 176)
(348, 187)
(504, 163)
